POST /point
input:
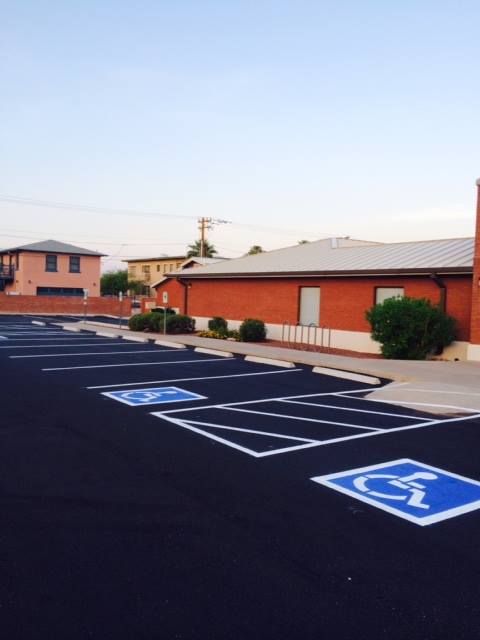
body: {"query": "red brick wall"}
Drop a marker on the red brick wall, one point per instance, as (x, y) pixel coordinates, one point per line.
(475, 319)
(176, 294)
(62, 304)
(343, 300)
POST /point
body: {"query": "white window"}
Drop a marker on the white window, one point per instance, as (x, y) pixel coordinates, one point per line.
(383, 293)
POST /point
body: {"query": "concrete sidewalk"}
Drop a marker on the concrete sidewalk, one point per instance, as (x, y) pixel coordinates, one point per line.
(433, 386)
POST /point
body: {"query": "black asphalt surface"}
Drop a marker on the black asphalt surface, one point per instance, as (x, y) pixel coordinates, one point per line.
(116, 523)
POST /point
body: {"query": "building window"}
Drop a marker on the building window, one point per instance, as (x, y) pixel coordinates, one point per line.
(74, 264)
(179, 264)
(132, 271)
(158, 267)
(51, 263)
(59, 291)
(383, 293)
(146, 271)
(165, 268)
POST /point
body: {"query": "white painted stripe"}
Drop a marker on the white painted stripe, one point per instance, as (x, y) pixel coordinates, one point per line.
(289, 417)
(215, 352)
(90, 353)
(307, 395)
(135, 338)
(423, 404)
(69, 345)
(62, 339)
(105, 334)
(332, 406)
(42, 324)
(233, 375)
(254, 431)
(270, 361)
(422, 425)
(168, 343)
(136, 364)
(234, 445)
(73, 329)
(347, 375)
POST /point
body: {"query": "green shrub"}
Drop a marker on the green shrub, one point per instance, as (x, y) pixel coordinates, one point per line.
(139, 322)
(218, 324)
(156, 320)
(180, 324)
(252, 330)
(410, 328)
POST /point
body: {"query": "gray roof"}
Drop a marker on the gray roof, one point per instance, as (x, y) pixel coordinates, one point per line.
(332, 257)
(53, 246)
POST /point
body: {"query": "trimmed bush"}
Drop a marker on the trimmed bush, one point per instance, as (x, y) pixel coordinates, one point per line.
(139, 322)
(218, 324)
(410, 328)
(156, 321)
(180, 324)
(252, 330)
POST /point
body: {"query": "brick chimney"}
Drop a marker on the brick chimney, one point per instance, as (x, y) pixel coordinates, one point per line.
(475, 318)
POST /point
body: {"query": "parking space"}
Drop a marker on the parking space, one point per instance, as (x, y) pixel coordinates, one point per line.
(223, 487)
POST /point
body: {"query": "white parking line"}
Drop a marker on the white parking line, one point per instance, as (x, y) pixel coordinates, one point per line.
(234, 445)
(233, 375)
(186, 423)
(290, 417)
(422, 404)
(333, 406)
(307, 395)
(69, 345)
(93, 353)
(138, 364)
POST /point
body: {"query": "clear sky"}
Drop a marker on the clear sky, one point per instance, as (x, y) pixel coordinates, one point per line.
(297, 119)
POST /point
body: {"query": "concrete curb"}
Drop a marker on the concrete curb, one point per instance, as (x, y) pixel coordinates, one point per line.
(347, 375)
(104, 334)
(167, 343)
(214, 352)
(275, 363)
(134, 338)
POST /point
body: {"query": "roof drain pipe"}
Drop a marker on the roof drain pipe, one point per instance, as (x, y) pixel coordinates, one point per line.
(443, 291)
(442, 303)
(185, 295)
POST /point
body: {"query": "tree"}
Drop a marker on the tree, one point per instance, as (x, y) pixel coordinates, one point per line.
(254, 249)
(410, 328)
(195, 249)
(112, 282)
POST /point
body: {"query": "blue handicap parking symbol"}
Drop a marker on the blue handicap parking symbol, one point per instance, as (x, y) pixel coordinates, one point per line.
(156, 395)
(412, 490)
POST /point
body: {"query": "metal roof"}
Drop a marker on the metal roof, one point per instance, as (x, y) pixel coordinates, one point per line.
(53, 246)
(331, 257)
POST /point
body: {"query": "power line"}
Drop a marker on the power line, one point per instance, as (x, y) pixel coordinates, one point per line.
(135, 213)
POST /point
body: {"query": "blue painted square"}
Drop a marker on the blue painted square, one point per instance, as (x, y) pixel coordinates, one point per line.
(412, 490)
(155, 395)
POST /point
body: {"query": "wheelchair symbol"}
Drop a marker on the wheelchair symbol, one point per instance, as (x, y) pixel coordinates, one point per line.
(409, 483)
(147, 396)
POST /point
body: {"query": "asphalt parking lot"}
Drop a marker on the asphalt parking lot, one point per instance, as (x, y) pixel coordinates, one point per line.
(152, 492)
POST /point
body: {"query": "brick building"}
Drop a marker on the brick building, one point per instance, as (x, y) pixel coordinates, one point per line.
(331, 283)
(49, 268)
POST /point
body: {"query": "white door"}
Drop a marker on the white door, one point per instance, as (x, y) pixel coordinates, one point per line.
(310, 305)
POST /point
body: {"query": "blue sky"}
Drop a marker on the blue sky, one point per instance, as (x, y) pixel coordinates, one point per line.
(304, 118)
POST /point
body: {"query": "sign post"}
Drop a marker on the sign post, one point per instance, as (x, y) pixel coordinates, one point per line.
(120, 299)
(85, 304)
(165, 303)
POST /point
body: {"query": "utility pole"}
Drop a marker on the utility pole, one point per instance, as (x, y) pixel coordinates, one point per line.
(203, 225)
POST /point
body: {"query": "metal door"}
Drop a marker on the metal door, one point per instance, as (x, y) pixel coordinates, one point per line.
(310, 305)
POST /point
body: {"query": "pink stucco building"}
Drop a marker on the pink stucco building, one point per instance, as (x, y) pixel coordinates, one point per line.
(49, 268)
